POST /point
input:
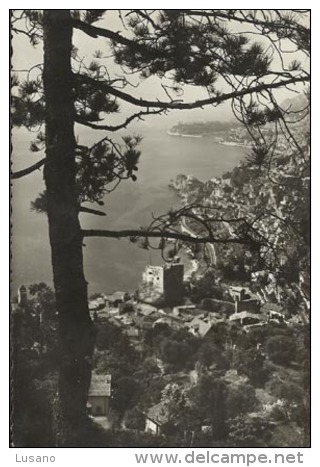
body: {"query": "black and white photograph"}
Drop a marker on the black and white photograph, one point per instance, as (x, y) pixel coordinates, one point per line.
(160, 229)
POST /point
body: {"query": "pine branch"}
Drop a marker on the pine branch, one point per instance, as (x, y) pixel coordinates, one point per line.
(92, 211)
(104, 86)
(28, 170)
(114, 128)
(164, 234)
(94, 31)
(244, 19)
(146, 17)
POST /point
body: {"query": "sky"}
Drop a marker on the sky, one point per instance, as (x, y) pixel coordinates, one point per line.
(24, 56)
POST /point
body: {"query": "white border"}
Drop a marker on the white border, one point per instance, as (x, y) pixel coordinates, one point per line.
(112, 457)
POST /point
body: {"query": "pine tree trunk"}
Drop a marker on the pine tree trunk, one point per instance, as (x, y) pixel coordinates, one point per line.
(75, 326)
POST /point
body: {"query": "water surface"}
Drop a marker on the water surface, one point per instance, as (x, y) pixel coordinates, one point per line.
(112, 264)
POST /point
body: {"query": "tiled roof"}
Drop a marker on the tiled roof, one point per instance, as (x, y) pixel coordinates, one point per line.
(272, 307)
(158, 414)
(100, 385)
(115, 296)
(247, 314)
(200, 326)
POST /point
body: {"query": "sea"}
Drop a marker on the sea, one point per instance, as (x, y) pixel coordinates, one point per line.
(112, 264)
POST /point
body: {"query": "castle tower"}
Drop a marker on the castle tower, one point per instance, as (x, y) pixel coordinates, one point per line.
(173, 282)
(166, 280)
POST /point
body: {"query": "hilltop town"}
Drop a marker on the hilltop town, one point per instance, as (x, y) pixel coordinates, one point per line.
(233, 133)
(217, 355)
(191, 359)
(228, 344)
(208, 328)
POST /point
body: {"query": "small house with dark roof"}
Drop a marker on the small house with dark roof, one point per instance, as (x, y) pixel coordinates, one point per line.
(182, 310)
(273, 311)
(156, 417)
(250, 304)
(99, 395)
(171, 320)
(238, 293)
(115, 298)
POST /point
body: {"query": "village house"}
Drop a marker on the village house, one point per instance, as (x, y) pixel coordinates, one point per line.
(273, 311)
(99, 395)
(97, 304)
(109, 304)
(186, 312)
(126, 320)
(215, 318)
(199, 326)
(144, 323)
(145, 309)
(245, 317)
(156, 417)
(239, 293)
(115, 298)
(183, 309)
(251, 304)
(223, 307)
(128, 306)
(172, 321)
(145, 315)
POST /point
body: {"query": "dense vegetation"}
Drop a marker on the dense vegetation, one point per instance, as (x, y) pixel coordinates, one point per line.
(230, 388)
(203, 128)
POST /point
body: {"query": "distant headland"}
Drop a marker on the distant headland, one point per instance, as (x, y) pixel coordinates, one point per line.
(230, 132)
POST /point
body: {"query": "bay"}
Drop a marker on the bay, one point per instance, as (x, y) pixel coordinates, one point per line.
(112, 264)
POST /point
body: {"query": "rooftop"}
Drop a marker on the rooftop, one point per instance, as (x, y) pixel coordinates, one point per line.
(247, 314)
(100, 385)
(158, 414)
(146, 309)
(115, 296)
(199, 326)
(271, 307)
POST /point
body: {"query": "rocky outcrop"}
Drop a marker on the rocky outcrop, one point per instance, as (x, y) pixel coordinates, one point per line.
(188, 187)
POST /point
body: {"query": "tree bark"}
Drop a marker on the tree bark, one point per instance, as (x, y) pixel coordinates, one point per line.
(75, 326)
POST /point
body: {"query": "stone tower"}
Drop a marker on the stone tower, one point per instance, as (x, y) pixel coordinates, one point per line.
(22, 295)
(166, 280)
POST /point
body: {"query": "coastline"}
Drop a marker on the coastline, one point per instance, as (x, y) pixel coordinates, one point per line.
(183, 135)
(225, 143)
(113, 265)
(234, 143)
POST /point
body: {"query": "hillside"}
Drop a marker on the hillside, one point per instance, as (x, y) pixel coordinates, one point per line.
(203, 128)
